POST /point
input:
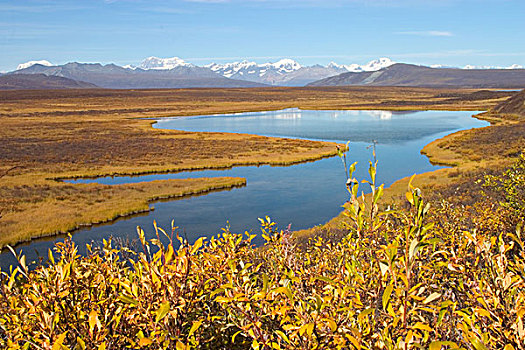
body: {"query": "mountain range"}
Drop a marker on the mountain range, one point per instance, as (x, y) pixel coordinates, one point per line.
(154, 72)
(287, 72)
(401, 74)
(115, 77)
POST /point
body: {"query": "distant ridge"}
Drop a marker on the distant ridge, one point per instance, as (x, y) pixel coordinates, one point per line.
(115, 77)
(40, 81)
(401, 74)
(514, 105)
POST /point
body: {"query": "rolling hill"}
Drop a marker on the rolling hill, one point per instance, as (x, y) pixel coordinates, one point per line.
(514, 105)
(40, 81)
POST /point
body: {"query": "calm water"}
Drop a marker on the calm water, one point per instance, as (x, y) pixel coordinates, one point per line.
(302, 195)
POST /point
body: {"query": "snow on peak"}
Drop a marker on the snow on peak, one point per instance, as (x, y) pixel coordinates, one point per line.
(32, 63)
(249, 68)
(369, 67)
(514, 66)
(163, 63)
(335, 65)
(230, 69)
(286, 65)
(378, 64)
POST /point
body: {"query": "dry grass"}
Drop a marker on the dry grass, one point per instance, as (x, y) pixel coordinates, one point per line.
(44, 208)
(49, 134)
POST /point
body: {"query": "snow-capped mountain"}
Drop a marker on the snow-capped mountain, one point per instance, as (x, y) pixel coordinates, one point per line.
(268, 73)
(289, 72)
(249, 68)
(32, 63)
(371, 66)
(514, 66)
(162, 63)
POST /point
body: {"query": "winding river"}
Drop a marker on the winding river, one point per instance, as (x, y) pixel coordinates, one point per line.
(302, 195)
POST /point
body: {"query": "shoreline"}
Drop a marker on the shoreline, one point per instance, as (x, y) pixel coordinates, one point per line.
(87, 123)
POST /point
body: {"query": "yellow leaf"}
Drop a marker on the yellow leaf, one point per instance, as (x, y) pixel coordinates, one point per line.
(310, 329)
(409, 197)
(145, 342)
(162, 311)
(422, 326)
(128, 300)
(180, 346)
(482, 312)
(435, 345)
(194, 327)
(431, 297)
(197, 245)
(58, 343)
(102, 346)
(302, 330)
(289, 327)
(386, 295)
(331, 323)
(354, 341)
(477, 344)
(93, 320)
(282, 335)
(81, 343)
(284, 290)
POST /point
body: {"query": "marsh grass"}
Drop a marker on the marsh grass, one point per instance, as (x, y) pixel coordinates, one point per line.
(53, 134)
(57, 207)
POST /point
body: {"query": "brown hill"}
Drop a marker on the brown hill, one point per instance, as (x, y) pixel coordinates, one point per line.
(40, 81)
(401, 74)
(514, 105)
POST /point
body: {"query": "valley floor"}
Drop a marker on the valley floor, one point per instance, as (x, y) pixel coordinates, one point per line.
(56, 134)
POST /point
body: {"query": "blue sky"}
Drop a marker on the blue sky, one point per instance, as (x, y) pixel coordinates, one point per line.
(449, 32)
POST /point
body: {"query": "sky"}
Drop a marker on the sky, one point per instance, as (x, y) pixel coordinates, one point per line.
(446, 32)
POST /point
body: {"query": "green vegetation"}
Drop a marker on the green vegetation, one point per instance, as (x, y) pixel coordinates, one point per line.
(451, 277)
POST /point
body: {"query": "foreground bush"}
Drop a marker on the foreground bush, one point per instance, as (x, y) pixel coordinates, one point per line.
(396, 281)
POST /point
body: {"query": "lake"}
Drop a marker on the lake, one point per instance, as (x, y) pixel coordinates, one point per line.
(303, 195)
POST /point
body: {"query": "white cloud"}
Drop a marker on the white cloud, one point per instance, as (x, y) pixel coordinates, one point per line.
(426, 33)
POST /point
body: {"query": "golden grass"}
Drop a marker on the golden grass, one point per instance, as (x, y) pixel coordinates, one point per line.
(52, 134)
(63, 207)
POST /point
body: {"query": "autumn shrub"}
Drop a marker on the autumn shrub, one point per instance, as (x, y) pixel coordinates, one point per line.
(399, 279)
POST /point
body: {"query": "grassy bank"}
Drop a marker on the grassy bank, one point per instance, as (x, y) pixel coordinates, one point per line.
(61, 208)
